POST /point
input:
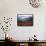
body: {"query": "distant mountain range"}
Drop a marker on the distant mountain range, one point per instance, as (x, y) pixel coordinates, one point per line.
(19, 19)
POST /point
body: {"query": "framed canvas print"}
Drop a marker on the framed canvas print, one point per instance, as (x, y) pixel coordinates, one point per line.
(24, 19)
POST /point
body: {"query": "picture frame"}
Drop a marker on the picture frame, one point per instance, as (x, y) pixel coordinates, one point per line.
(24, 19)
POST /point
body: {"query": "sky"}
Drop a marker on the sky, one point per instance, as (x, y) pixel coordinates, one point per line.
(24, 16)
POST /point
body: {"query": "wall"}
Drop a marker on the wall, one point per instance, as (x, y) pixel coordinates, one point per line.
(10, 8)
